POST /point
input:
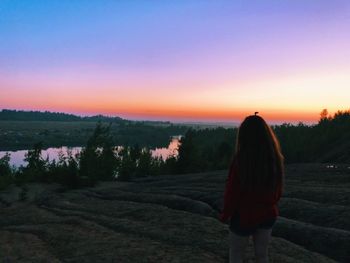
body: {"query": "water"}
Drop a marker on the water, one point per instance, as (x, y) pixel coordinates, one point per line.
(17, 157)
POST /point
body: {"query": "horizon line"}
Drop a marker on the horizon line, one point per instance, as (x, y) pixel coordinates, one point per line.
(177, 120)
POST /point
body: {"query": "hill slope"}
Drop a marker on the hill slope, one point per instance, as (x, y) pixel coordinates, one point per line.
(169, 219)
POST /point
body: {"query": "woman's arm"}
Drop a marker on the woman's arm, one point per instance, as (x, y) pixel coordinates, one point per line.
(230, 195)
(279, 192)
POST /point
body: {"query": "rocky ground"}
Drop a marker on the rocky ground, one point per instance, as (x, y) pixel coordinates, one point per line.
(171, 219)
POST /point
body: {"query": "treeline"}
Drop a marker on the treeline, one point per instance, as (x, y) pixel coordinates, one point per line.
(19, 115)
(206, 150)
(18, 135)
(200, 150)
(326, 141)
(99, 160)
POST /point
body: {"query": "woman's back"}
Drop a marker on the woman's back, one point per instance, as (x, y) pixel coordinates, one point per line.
(253, 206)
(253, 188)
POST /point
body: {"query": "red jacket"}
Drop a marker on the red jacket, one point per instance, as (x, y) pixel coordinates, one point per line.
(252, 207)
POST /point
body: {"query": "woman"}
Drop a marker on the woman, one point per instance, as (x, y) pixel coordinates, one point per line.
(253, 188)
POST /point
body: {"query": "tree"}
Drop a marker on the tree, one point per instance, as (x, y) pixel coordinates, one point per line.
(5, 168)
(65, 171)
(127, 166)
(98, 160)
(144, 163)
(6, 172)
(36, 170)
(188, 158)
(324, 115)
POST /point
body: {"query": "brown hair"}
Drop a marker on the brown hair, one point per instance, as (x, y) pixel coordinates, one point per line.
(258, 156)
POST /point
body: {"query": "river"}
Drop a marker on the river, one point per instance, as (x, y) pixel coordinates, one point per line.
(17, 157)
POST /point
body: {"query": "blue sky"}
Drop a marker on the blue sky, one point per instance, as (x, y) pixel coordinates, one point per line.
(126, 57)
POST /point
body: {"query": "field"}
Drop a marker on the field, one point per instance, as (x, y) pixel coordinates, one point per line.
(172, 219)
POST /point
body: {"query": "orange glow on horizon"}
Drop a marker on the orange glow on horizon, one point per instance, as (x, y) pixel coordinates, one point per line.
(177, 114)
(288, 98)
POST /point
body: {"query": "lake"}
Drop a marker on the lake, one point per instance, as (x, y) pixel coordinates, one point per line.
(17, 157)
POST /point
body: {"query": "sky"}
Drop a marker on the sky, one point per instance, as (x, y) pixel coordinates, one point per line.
(212, 61)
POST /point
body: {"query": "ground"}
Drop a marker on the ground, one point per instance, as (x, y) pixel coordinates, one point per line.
(171, 219)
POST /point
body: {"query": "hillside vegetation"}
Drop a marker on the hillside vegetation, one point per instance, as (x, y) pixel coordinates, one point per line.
(23, 129)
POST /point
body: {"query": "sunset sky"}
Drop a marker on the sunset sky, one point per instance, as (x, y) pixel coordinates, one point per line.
(176, 60)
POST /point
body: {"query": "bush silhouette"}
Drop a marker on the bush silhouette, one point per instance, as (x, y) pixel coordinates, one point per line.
(98, 160)
(6, 172)
(36, 169)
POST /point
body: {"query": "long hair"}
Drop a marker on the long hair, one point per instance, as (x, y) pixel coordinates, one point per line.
(258, 156)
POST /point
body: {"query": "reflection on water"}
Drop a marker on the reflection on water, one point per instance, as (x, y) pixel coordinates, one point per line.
(17, 157)
(172, 149)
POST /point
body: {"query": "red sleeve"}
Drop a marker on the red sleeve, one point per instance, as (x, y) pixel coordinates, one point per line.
(230, 195)
(279, 192)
